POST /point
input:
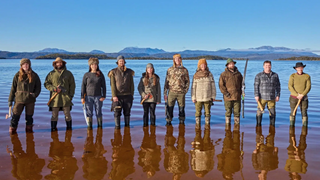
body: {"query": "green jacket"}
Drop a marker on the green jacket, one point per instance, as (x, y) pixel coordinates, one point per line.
(20, 90)
(66, 80)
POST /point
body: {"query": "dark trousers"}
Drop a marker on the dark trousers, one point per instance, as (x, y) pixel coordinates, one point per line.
(303, 106)
(17, 110)
(146, 108)
(126, 103)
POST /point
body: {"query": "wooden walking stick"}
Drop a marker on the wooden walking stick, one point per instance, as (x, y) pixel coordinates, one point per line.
(52, 98)
(295, 109)
(260, 106)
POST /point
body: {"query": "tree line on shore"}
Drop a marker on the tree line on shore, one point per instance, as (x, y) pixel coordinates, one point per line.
(301, 58)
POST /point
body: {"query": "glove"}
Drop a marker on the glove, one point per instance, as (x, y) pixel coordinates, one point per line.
(10, 103)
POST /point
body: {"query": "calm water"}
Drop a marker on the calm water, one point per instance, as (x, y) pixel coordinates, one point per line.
(137, 153)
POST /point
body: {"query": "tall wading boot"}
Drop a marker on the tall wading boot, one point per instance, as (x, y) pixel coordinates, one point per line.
(305, 121)
(228, 120)
(69, 125)
(169, 115)
(292, 120)
(99, 120)
(236, 120)
(117, 122)
(272, 116)
(14, 124)
(89, 122)
(29, 123)
(127, 121)
(182, 115)
(145, 121)
(207, 120)
(198, 122)
(12, 130)
(259, 119)
(54, 126)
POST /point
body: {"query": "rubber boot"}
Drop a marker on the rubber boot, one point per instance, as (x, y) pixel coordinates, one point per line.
(14, 121)
(12, 130)
(259, 119)
(292, 120)
(207, 120)
(99, 121)
(236, 120)
(89, 122)
(145, 121)
(228, 120)
(272, 116)
(29, 128)
(69, 125)
(198, 122)
(182, 115)
(305, 121)
(169, 123)
(153, 121)
(127, 121)
(117, 122)
(54, 126)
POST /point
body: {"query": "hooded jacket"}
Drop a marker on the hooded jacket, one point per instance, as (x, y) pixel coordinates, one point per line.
(154, 90)
(230, 84)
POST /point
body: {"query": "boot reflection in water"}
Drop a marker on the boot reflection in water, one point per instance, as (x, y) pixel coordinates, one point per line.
(265, 155)
(296, 163)
(95, 165)
(202, 153)
(63, 164)
(176, 159)
(150, 153)
(122, 155)
(229, 158)
(25, 165)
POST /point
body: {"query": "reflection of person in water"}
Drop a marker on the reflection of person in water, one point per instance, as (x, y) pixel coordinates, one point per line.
(296, 162)
(149, 155)
(176, 159)
(229, 159)
(63, 165)
(25, 165)
(203, 153)
(122, 156)
(95, 164)
(265, 156)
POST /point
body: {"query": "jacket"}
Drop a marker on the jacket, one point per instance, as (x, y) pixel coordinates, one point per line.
(66, 80)
(203, 89)
(267, 87)
(121, 81)
(177, 80)
(20, 90)
(154, 90)
(230, 84)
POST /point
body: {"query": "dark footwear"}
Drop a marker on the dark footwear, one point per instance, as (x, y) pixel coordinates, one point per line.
(272, 120)
(127, 121)
(145, 121)
(89, 122)
(12, 130)
(259, 119)
(54, 126)
(69, 125)
(117, 122)
(99, 119)
(168, 123)
(29, 128)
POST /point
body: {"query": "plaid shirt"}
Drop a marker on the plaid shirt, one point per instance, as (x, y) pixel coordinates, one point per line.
(267, 87)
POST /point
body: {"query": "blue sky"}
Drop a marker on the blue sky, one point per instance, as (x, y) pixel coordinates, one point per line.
(171, 25)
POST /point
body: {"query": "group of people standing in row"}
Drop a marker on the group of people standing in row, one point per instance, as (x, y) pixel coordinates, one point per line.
(26, 87)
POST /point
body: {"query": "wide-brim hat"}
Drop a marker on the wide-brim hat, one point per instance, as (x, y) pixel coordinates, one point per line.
(93, 60)
(25, 60)
(230, 60)
(299, 64)
(57, 60)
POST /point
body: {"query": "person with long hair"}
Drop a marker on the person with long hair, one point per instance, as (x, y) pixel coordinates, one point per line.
(149, 89)
(203, 91)
(26, 87)
(93, 91)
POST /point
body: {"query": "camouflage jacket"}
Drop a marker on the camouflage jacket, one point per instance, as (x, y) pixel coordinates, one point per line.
(177, 80)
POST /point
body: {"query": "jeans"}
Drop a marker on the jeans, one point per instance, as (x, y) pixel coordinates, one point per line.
(93, 101)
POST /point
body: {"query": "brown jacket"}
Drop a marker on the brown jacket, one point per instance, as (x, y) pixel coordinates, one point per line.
(121, 81)
(230, 84)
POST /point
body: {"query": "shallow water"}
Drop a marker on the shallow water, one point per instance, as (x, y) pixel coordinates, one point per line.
(281, 153)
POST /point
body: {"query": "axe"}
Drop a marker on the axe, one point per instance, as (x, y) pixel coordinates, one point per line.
(149, 97)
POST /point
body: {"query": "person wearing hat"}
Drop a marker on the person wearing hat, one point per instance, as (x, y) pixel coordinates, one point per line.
(230, 84)
(122, 89)
(26, 87)
(203, 91)
(175, 88)
(93, 91)
(299, 86)
(267, 91)
(149, 89)
(60, 81)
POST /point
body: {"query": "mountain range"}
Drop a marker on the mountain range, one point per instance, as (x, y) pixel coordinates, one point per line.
(262, 52)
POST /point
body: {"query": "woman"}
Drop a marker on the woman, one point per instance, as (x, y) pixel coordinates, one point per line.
(149, 89)
(203, 91)
(93, 91)
(26, 87)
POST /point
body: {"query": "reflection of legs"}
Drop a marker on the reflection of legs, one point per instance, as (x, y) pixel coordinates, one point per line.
(29, 117)
(54, 118)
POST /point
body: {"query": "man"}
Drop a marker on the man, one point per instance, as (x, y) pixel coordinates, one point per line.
(299, 86)
(26, 87)
(60, 82)
(175, 88)
(267, 91)
(122, 89)
(230, 84)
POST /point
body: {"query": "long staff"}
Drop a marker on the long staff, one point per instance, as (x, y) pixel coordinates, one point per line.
(295, 109)
(244, 86)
